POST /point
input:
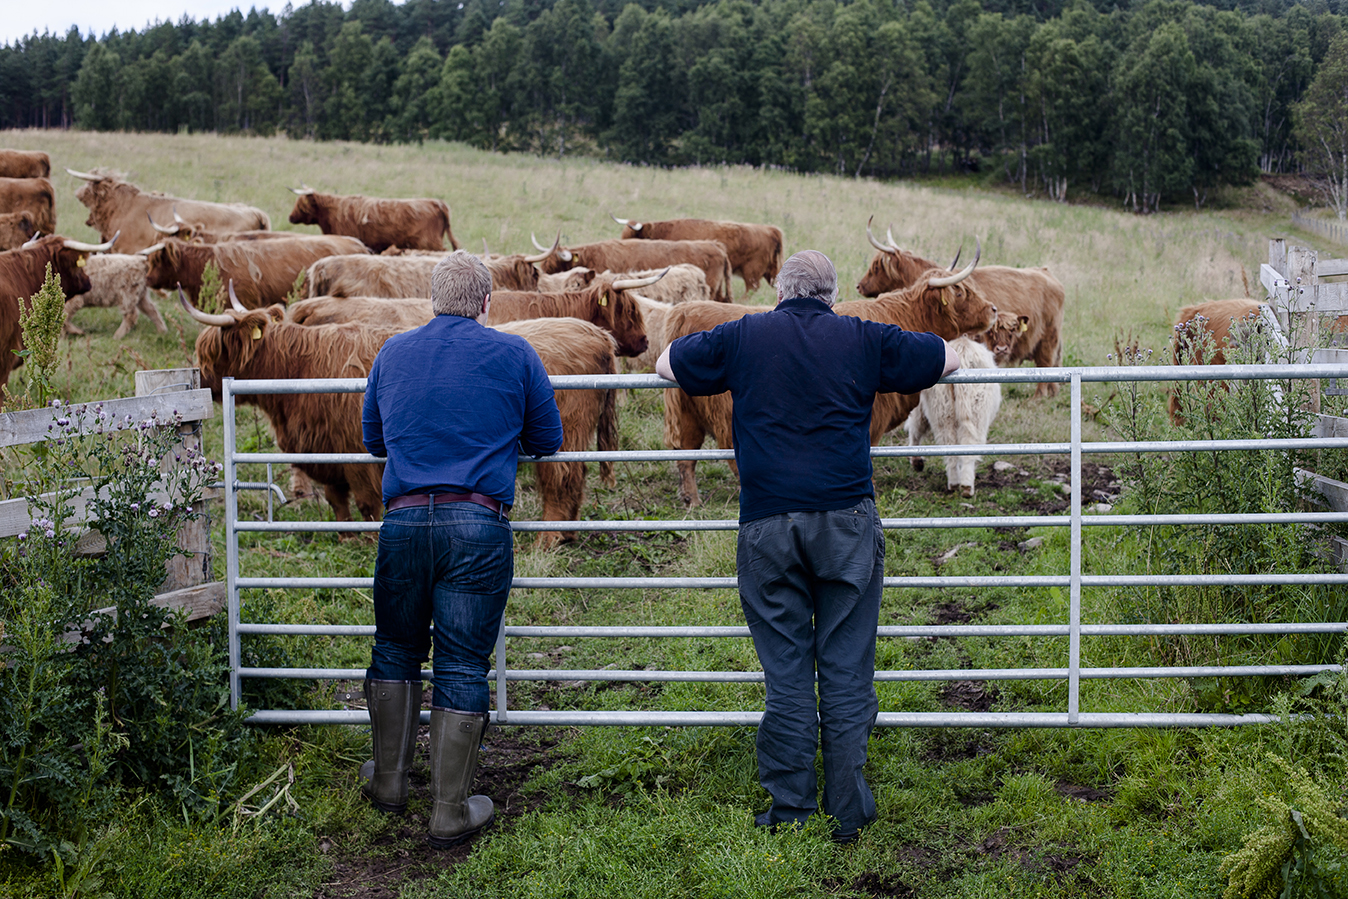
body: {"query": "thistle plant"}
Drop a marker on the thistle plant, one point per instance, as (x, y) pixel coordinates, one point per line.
(100, 689)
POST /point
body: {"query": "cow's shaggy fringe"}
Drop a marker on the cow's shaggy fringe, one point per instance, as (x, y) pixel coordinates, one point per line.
(1031, 299)
(616, 311)
(304, 423)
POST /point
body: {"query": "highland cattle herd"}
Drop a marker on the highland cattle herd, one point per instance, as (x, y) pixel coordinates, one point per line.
(320, 306)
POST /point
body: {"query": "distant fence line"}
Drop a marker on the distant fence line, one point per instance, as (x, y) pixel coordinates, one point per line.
(1336, 231)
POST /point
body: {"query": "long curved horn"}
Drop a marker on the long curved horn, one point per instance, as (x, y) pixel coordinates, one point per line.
(150, 249)
(178, 218)
(217, 321)
(87, 176)
(160, 228)
(485, 252)
(889, 237)
(548, 251)
(234, 299)
(622, 222)
(302, 191)
(633, 283)
(956, 260)
(964, 273)
(875, 243)
(92, 247)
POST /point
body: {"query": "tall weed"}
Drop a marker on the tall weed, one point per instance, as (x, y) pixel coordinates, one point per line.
(1228, 482)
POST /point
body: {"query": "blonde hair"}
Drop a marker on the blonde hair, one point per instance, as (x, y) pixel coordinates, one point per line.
(459, 283)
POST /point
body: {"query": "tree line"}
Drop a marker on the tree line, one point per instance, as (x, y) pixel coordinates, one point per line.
(1160, 101)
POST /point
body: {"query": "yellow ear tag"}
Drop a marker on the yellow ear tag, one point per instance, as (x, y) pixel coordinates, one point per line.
(79, 263)
(1024, 326)
(257, 333)
(603, 299)
(944, 301)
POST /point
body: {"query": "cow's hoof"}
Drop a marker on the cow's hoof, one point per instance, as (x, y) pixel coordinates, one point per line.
(919, 463)
(690, 499)
(967, 491)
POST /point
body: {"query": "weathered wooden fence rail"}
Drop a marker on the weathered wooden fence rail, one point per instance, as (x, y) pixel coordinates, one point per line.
(160, 394)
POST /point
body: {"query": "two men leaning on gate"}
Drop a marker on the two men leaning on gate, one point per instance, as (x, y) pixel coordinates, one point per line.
(450, 403)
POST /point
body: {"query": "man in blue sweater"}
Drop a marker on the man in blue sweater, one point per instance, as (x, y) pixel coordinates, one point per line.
(811, 554)
(451, 404)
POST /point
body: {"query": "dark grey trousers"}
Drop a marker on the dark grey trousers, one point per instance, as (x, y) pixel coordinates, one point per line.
(810, 585)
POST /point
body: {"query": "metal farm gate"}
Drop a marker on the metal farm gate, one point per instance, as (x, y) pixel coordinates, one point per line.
(1073, 579)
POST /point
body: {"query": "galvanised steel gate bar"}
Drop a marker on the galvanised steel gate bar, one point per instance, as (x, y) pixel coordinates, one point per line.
(1074, 580)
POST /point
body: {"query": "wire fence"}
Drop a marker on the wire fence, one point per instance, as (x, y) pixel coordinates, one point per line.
(1072, 580)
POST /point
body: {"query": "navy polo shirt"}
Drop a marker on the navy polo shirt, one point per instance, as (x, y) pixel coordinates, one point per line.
(804, 379)
(452, 404)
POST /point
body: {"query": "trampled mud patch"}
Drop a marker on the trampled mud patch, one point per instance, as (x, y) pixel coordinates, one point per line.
(872, 884)
(1061, 861)
(382, 869)
(1082, 794)
(968, 695)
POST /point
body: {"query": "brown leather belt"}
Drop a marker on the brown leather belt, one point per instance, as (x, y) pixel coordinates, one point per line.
(424, 499)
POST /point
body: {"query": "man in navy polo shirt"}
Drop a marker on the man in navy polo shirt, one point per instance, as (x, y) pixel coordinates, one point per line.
(451, 404)
(811, 553)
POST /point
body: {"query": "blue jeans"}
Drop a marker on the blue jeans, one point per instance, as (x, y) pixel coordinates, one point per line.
(810, 585)
(451, 564)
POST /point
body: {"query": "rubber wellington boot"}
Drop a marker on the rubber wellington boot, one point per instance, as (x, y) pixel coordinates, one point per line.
(395, 710)
(456, 816)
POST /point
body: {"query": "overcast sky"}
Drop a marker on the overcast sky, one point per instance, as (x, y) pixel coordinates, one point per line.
(23, 17)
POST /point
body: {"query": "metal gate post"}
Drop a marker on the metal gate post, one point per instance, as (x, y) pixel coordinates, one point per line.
(501, 674)
(1074, 612)
(231, 541)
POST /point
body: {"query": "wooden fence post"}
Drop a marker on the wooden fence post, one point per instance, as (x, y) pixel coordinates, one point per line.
(1301, 272)
(193, 565)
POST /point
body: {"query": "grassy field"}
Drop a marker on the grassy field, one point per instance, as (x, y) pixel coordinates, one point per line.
(665, 812)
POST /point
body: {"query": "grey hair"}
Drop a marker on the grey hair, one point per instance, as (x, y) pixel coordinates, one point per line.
(808, 273)
(458, 285)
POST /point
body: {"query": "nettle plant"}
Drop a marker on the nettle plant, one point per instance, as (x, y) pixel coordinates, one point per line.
(100, 690)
